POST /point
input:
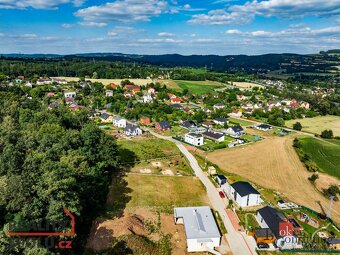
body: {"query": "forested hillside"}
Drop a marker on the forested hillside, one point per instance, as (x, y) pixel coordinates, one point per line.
(50, 159)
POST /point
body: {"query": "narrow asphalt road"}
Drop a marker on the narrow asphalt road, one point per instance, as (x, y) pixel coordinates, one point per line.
(240, 243)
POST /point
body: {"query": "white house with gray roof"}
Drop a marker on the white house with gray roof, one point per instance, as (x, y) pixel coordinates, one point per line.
(132, 130)
(194, 139)
(244, 194)
(201, 230)
(119, 122)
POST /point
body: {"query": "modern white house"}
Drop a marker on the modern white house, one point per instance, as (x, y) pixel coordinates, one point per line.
(244, 194)
(235, 131)
(70, 94)
(147, 98)
(132, 130)
(194, 139)
(201, 230)
(278, 223)
(119, 122)
(221, 121)
(263, 127)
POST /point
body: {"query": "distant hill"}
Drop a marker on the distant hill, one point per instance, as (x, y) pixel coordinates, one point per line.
(285, 63)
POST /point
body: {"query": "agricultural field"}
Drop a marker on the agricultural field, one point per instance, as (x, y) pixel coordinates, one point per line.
(108, 81)
(274, 164)
(317, 124)
(246, 84)
(325, 154)
(198, 87)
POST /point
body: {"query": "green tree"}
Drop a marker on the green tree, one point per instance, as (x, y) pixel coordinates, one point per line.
(297, 126)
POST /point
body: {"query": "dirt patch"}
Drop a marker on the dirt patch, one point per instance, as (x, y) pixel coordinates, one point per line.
(104, 231)
(156, 164)
(145, 171)
(324, 181)
(274, 164)
(167, 172)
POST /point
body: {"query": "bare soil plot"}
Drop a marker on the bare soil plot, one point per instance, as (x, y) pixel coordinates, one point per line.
(274, 164)
(246, 84)
(317, 124)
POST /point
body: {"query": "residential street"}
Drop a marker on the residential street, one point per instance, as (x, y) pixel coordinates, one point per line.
(240, 243)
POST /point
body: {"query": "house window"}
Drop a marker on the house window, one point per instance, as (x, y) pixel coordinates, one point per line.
(248, 200)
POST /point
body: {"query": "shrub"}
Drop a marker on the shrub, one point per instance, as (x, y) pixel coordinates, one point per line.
(313, 178)
(328, 134)
(297, 126)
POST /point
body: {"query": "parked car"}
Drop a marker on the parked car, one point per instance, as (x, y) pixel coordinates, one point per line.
(221, 194)
(263, 245)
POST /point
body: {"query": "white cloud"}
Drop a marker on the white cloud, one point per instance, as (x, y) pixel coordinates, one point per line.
(124, 11)
(187, 6)
(112, 34)
(233, 32)
(66, 25)
(93, 24)
(36, 4)
(97, 39)
(165, 34)
(159, 40)
(240, 14)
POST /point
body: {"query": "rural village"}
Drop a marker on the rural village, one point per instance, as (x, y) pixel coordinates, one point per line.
(215, 168)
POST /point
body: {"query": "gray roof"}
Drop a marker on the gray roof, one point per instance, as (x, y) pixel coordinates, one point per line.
(188, 124)
(164, 124)
(222, 119)
(199, 222)
(264, 126)
(195, 135)
(333, 240)
(104, 116)
(263, 232)
(244, 188)
(213, 135)
(131, 128)
(117, 118)
(237, 129)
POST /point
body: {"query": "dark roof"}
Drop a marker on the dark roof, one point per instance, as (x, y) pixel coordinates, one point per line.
(263, 232)
(221, 177)
(244, 188)
(104, 116)
(219, 104)
(195, 135)
(272, 217)
(176, 106)
(213, 135)
(333, 240)
(264, 126)
(131, 128)
(188, 124)
(222, 119)
(237, 129)
(164, 124)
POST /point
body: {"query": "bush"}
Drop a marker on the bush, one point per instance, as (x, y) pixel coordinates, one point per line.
(297, 126)
(313, 178)
(296, 143)
(333, 190)
(328, 134)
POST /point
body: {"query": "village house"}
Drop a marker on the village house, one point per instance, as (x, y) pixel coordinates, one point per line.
(264, 235)
(59, 81)
(235, 131)
(263, 127)
(207, 124)
(132, 130)
(176, 100)
(105, 117)
(271, 218)
(109, 93)
(248, 111)
(70, 94)
(151, 91)
(176, 106)
(194, 139)
(112, 86)
(188, 124)
(221, 121)
(244, 194)
(221, 179)
(51, 94)
(207, 110)
(201, 231)
(119, 122)
(128, 94)
(241, 97)
(188, 110)
(304, 105)
(294, 104)
(134, 88)
(147, 98)
(214, 136)
(333, 243)
(44, 81)
(235, 113)
(28, 84)
(145, 120)
(162, 126)
(218, 106)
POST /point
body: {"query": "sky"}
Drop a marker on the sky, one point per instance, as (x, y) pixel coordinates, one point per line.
(222, 27)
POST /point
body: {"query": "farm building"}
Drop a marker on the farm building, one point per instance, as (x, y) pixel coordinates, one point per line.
(194, 139)
(162, 126)
(201, 230)
(119, 122)
(132, 130)
(215, 136)
(244, 194)
(221, 121)
(278, 223)
(263, 127)
(235, 131)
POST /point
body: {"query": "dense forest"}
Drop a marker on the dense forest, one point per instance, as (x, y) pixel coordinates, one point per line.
(50, 159)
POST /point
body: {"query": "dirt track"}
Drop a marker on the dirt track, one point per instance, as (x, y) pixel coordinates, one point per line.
(274, 164)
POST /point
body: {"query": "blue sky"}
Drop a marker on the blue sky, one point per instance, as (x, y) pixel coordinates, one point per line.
(169, 26)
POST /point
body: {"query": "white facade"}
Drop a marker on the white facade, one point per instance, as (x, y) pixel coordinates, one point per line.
(109, 93)
(132, 130)
(248, 200)
(194, 139)
(201, 230)
(119, 122)
(70, 94)
(147, 98)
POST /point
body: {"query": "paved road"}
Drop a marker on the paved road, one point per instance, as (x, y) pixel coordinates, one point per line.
(240, 243)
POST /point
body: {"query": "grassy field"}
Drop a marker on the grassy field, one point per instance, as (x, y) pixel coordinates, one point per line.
(325, 154)
(317, 124)
(274, 164)
(246, 85)
(240, 122)
(146, 149)
(165, 192)
(108, 81)
(198, 87)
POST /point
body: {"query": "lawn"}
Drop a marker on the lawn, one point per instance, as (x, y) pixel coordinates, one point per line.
(317, 124)
(198, 87)
(146, 149)
(240, 122)
(164, 192)
(325, 154)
